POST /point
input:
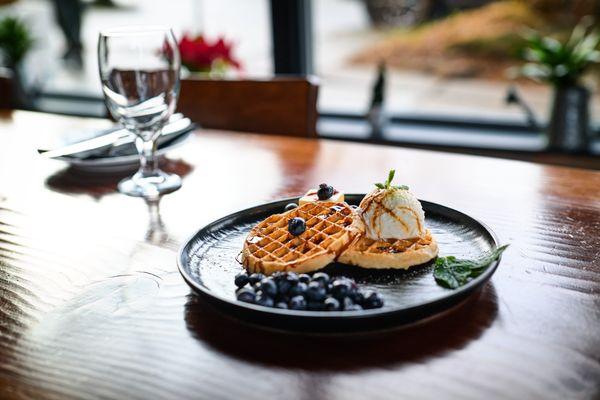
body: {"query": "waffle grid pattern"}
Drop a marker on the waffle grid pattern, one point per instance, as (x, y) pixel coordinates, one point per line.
(326, 224)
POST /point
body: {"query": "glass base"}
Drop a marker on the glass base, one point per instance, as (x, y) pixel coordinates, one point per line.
(150, 186)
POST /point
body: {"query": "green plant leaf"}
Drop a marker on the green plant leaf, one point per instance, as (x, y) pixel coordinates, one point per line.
(561, 71)
(390, 177)
(588, 43)
(452, 273)
(536, 72)
(577, 35)
(594, 56)
(15, 40)
(388, 182)
(556, 62)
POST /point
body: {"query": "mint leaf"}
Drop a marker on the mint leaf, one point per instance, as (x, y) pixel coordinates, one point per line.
(452, 273)
(388, 183)
(390, 178)
(445, 278)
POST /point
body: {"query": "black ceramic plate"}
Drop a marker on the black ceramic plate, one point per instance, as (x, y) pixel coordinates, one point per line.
(208, 263)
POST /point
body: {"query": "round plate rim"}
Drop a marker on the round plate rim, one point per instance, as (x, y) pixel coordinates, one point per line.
(345, 315)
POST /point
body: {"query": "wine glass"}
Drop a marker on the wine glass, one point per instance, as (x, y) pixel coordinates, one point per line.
(139, 69)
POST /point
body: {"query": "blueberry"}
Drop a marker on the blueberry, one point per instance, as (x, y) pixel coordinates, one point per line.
(255, 277)
(282, 299)
(296, 226)
(322, 278)
(297, 303)
(246, 295)
(315, 305)
(305, 278)
(281, 304)
(325, 191)
(353, 285)
(284, 286)
(331, 304)
(241, 279)
(340, 289)
(292, 277)
(372, 300)
(268, 286)
(279, 276)
(357, 296)
(262, 299)
(298, 290)
(290, 206)
(250, 288)
(315, 292)
(347, 303)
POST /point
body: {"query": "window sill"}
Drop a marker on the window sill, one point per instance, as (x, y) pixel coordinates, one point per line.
(505, 143)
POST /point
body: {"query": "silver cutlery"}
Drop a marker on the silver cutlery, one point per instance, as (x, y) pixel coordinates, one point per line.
(115, 141)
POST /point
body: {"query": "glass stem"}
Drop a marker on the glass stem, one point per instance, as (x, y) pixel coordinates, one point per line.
(146, 147)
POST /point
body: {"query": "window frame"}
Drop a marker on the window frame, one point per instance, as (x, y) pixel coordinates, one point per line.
(293, 54)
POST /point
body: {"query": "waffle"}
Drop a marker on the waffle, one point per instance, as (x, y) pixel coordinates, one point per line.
(269, 246)
(390, 253)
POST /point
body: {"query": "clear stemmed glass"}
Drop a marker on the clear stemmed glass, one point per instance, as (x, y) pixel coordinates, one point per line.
(139, 69)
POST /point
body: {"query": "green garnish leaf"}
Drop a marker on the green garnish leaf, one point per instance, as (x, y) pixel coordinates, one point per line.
(390, 177)
(452, 273)
(388, 182)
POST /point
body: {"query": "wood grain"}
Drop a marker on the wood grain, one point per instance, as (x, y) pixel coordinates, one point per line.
(92, 305)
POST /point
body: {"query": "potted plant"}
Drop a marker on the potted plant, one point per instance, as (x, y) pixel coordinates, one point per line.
(210, 58)
(15, 42)
(562, 64)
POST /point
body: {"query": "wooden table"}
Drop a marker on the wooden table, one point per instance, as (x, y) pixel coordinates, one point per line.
(92, 305)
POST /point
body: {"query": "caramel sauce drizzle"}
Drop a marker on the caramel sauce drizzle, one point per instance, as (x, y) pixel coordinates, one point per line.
(378, 199)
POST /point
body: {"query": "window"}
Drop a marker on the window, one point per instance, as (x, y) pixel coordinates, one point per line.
(246, 23)
(447, 59)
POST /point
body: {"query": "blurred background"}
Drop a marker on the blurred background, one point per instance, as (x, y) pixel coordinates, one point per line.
(449, 67)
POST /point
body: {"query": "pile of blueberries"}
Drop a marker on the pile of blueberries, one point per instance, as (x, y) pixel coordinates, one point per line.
(318, 292)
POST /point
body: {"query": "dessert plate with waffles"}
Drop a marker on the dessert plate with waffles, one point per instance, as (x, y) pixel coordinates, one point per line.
(331, 262)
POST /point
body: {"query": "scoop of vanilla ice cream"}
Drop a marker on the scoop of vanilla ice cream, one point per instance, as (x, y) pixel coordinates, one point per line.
(392, 213)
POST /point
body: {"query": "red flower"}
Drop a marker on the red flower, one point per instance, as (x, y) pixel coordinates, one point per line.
(198, 54)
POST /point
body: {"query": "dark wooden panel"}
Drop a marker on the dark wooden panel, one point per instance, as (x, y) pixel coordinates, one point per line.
(7, 99)
(92, 305)
(284, 106)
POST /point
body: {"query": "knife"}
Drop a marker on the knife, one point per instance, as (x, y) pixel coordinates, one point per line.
(103, 143)
(170, 133)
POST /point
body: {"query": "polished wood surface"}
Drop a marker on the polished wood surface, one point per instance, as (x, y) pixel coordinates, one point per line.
(283, 106)
(92, 305)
